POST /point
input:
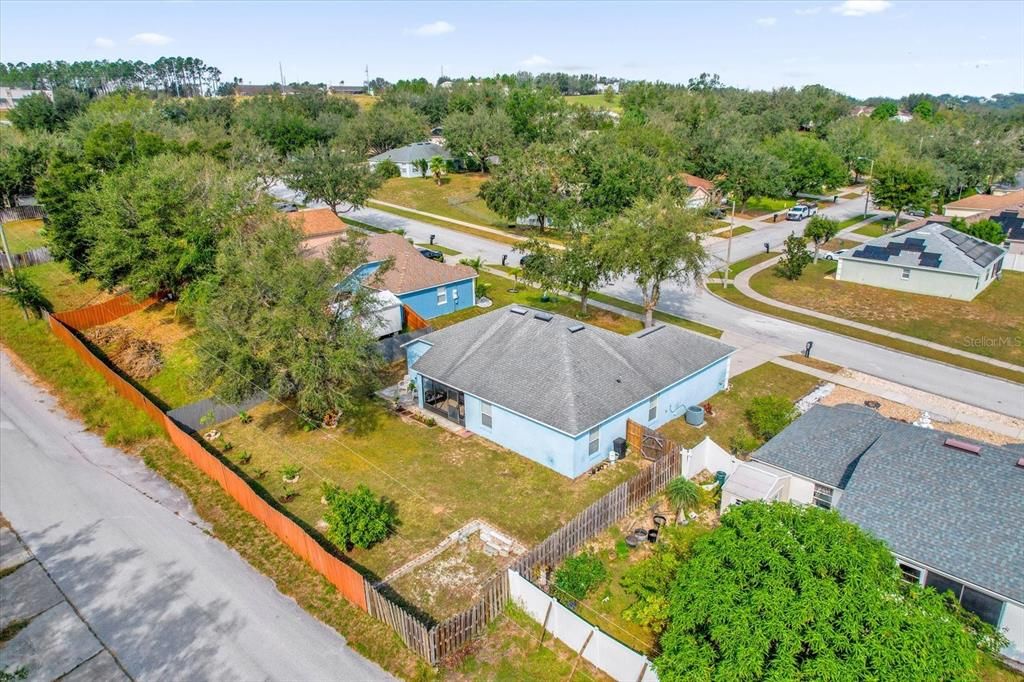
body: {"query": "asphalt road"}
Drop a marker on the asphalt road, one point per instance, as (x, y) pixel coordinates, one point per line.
(752, 331)
(168, 600)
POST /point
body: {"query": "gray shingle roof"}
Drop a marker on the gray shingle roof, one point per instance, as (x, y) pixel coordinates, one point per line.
(414, 151)
(958, 513)
(950, 250)
(569, 380)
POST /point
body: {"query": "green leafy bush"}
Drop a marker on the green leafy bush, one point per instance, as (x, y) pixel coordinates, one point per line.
(290, 471)
(743, 442)
(387, 169)
(769, 414)
(358, 518)
(20, 288)
(650, 580)
(580, 574)
(794, 258)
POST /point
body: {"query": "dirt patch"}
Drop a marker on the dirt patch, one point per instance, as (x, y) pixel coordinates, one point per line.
(139, 358)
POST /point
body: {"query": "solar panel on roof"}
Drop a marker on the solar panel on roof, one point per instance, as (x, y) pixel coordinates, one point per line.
(914, 241)
(930, 260)
(872, 252)
(956, 237)
(917, 245)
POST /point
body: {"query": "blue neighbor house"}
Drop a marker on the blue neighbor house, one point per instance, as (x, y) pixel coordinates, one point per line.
(557, 391)
(428, 287)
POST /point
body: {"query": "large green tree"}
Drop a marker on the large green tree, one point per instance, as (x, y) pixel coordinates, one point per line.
(155, 226)
(748, 171)
(810, 165)
(268, 319)
(781, 592)
(902, 183)
(383, 128)
(658, 241)
(478, 135)
(532, 183)
(333, 176)
(819, 230)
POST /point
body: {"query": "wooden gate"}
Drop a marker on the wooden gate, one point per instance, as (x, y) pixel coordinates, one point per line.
(648, 442)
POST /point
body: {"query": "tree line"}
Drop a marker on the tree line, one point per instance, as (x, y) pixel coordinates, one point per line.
(175, 76)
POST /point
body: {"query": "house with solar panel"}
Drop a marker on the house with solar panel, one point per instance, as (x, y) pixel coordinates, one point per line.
(949, 508)
(557, 391)
(933, 259)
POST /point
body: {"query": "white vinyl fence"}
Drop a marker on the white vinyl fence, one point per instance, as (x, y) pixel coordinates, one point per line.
(1014, 261)
(607, 654)
(707, 454)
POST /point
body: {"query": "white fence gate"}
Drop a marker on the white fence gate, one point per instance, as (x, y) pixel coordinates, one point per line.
(1014, 261)
(604, 652)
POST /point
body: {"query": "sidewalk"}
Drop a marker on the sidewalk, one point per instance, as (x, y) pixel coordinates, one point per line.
(742, 282)
(943, 409)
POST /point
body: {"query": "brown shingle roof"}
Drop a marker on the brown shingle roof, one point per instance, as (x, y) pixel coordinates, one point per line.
(694, 181)
(989, 202)
(411, 271)
(315, 222)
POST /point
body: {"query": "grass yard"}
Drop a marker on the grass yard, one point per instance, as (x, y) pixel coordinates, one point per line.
(24, 235)
(440, 222)
(838, 244)
(438, 480)
(658, 315)
(742, 229)
(881, 227)
(457, 197)
(813, 362)
(730, 405)
(498, 291)
(759, 206)
(596, 101)
(739, 266)
(985, 326)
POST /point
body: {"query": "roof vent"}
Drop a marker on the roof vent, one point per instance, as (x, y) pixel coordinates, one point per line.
(543, 317)
(576, 328)
(961, 445)
(518, 311)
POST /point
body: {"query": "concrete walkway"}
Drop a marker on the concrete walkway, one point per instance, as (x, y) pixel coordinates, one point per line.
(742, 282)
(945, 409)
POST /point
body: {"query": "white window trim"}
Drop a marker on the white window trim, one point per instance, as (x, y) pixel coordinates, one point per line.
(815, 498)
(486, 417)
(594, 441)
(905, 274)
(652, 409)
(442, 295)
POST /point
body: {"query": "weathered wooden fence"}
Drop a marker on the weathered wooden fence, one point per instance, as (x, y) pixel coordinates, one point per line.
(433, 642)
(26, 258)
(21, 213)
(413, 320)
(649, 443)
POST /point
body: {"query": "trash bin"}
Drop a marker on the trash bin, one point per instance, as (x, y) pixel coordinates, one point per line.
(695, 415)
(619, 445)
(720, 477)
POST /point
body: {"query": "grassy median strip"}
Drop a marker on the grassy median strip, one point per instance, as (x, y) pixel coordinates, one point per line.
(658, 315)
(735, 296)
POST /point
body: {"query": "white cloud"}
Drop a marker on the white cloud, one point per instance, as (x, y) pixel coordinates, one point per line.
(150, 39)
(535, 60)
(105, 43)
(436, 28)
(807, 11)
(766, 21)
(859, 8)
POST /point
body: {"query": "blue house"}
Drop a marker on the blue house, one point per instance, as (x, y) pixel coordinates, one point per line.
(426, 286)
(557, 391)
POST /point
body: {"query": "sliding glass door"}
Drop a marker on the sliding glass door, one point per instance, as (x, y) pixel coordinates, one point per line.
(445, 401)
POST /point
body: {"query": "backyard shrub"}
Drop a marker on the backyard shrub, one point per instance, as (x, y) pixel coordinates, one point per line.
(358, 518)
(769, 414)
(290, 471)
(387, 169)
(650, 580)
(743, 442)
(621, 549)
(580, 574)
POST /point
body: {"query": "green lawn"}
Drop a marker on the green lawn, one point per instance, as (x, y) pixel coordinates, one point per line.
(859, 218)
(739, 266)
(759, 206)
(658, 315)
(730, 406)
(498, 287)
(881, 227)
(985, 326)
(441, 222)
(742, 229)
(457, 197)
(596, 101)
(24, 235)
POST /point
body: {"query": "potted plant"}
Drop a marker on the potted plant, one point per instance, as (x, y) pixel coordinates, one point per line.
(290, 473)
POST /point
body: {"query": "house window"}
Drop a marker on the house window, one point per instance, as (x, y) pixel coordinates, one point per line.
(595, 441)
(988, 609)
(822, 496)
(911, 574)
(652, 409)
(485, 414)
(442, 295)
(905, 274)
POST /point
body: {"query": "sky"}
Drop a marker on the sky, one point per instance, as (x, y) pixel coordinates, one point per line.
(859, 47)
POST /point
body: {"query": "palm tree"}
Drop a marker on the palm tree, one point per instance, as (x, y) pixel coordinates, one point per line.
(684, 495)
(438, 167)
(475, 263)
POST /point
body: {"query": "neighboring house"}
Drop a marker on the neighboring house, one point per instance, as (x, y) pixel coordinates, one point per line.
(405, 157)
(243, 90)
(702, 192)
(862, 111)
(1009, 186)
(932, 259)
(1012, 221)
(949, 509)
(426, 286)
(903, 116)
(347, 89)
(982, 203)
(557, 391)
(318, 225)
(9, 97)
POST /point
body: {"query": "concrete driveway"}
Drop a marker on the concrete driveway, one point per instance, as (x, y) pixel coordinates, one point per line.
(169, 601)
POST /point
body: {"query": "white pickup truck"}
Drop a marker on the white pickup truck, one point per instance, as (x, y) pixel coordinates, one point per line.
(801, 211)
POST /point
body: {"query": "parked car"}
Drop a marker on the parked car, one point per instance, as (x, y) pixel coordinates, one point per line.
(801, 211)
(717, 213)
(432, 255)
(831, 255)
(525, 260)
(286, 206)
(917, 212)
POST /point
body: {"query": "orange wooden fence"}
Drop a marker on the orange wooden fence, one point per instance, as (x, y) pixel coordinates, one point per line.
(348, 581)
(413, 320)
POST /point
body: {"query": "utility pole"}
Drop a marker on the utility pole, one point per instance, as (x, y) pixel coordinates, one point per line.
(10, 262)
(280, 68)
(867, 192)
(728, 247)
(366, 79)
